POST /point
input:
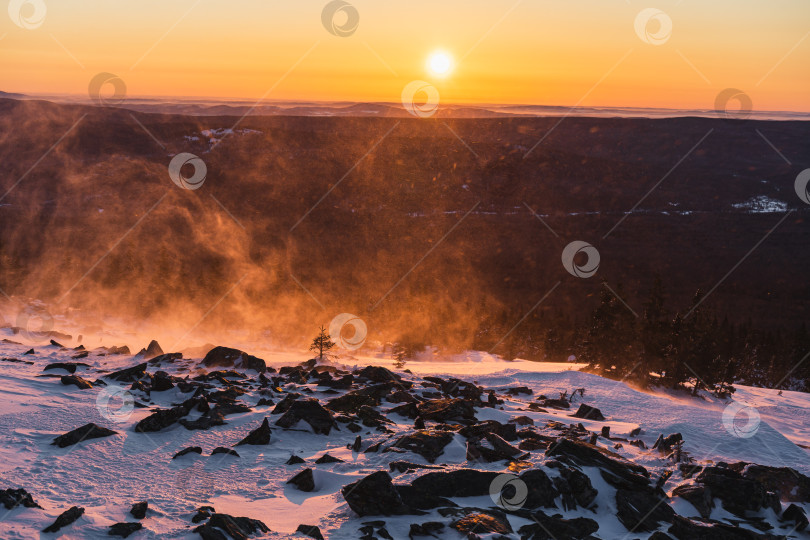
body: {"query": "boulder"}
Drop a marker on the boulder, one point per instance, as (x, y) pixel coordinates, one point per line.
(642, 509)
(12, 498)
(615, 470)
(304, 480)
(575, 489)
(326, 459)
(139, 509)
(130, 374)
(161, 419)
(294, 460)
(427, 443)
(482, 522)
(795, 514)
(212, 418)
(226, 357)
(310, 530)
(458, 483)
(589, 413)
(699, 496)
(739, 495)
(443, 410)
(507, 432)
(686, 529)
(259, 436)
(374, 495)
(238, 528)
(188, 450)
(76, 381)
(223, 450)
(557, 528)
(311, 412)
(124, 529)
(791, 485)
(152, 350)
(65, 518)
(86, 432)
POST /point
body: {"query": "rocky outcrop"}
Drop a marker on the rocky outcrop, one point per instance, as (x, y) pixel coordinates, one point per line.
(233, 358)
(12, 498)
(427, 443)
(130, 374)
(238, 528)
(311, 412)
(65, 518)
(374, 495)
(86, 432)
(76, 381)
(304, 480)
(259, 436)
(443, 410)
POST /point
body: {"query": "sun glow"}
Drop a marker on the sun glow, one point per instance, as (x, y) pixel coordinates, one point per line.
(440, 64)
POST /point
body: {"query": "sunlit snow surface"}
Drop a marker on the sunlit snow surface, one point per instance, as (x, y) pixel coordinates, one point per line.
(106, 476)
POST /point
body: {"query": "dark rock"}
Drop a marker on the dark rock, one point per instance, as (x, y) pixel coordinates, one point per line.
(739, 495)
(642, 510)
(517, 390)
(575, 489)
(29, 351)
(791, 485)
(482, 522)
(554, 403)
(188, 450)
(541, 491)
(86, 432)
(374, 495)
(12, 498)
(429, 528)
(304, 480)
(203, 513)
(130, 374)
(168, 358)
(223, 450)
(210, 419)
(352, 401)
(796, 515)
(494, 449)
(357, 445)
(507, 432)
(699, 496)
(124, 529)
(326, 458)
(354, 427)
(57, 344)
(70, 367)
(161, 382)
(556, 528)
(311, 412)
(139, 509)
(405, 466)
(686, 529)
(285, 403)
(371, 418)
(238, 528)
(458, 483)
(589, 413)
(615, 469)
(259, 436)
(76, 381)
(427, 443)
(310, 530)
(294, 460)
(378, 374)
(161, 419)
(151, 351)
(65, 518)
(118, 350)
(442, 410)
(226, 357)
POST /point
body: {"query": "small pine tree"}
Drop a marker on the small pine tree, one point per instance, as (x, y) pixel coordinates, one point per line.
(400, 355)
(322, 343)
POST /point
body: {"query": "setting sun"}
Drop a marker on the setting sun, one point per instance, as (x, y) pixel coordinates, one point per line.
(440, 64)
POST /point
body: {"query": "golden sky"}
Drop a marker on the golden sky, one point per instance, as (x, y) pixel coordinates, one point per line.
(547, 52)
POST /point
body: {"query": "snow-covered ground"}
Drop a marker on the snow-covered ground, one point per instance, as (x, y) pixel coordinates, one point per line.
(106, 476)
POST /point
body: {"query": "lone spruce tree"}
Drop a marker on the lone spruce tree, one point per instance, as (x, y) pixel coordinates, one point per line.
(322, 343)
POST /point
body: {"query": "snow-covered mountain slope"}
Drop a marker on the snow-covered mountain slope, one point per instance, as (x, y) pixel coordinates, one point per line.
(107, 475)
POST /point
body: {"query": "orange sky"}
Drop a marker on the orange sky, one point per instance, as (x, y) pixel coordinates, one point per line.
(545, 52)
